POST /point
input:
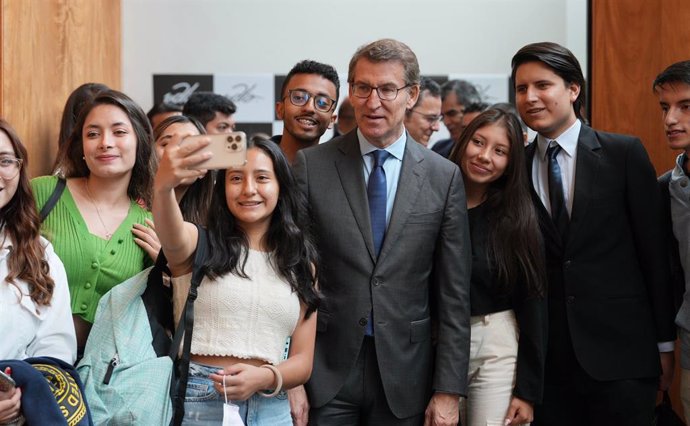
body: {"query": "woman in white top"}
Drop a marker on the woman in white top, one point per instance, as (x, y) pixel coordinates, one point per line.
(35, 315)
(259, 286)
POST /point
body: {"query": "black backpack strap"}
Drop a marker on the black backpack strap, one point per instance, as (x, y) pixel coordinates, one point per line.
(54, 197)
(157, 299)
(178, 386)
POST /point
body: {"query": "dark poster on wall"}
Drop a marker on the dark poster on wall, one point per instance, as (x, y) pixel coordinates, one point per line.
(176, 89)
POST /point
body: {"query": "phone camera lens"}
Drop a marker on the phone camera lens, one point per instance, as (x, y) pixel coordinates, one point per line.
(238, 138)
(229, 138)
(233, 147)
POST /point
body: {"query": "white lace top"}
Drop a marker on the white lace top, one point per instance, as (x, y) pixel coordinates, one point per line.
(245, 318)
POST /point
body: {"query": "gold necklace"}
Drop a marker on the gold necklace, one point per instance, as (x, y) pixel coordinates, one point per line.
(108, 234)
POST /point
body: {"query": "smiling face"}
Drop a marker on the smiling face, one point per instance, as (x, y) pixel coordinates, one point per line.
(8, 187)
(175, 132)
(251, 192)
(544, 99)
(486, 155)
(109, 142)
(305, 124)
(381, 121)
(674, 99)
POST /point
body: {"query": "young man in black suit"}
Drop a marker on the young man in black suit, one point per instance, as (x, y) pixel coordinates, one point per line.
(610, 305)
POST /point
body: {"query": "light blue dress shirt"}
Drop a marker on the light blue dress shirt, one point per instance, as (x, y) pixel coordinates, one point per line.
(391, 167)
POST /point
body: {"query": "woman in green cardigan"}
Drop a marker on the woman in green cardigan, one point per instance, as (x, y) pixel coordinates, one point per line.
(108, 163)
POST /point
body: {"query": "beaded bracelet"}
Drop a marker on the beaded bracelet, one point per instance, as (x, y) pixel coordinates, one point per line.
(279, 380)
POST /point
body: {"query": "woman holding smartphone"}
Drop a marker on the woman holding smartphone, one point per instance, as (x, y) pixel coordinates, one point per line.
(508, 323)
(35, 319)
(260, 284)
(108, 163)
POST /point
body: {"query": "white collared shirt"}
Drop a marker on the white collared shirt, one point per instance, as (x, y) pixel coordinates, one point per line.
(566, 160)
(27, 329)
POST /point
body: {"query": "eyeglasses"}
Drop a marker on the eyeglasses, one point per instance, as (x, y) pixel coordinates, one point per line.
(432, 119)
(300, 98)
(387, 92)
(9, 167)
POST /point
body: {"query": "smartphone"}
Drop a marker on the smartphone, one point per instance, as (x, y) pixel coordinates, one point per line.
(6, 382)
(229, 150)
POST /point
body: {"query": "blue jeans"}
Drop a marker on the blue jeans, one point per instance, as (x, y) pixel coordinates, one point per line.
(203, 405)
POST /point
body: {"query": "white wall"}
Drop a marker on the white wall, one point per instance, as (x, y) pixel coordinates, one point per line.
(253, 36)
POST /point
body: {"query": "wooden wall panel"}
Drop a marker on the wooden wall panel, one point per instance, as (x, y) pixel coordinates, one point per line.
(49, 47)
(631, 42)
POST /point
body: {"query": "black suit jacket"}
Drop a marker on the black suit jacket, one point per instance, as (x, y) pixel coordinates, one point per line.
(609, 292)
(443, 147)
(422, 273)
(675, 265)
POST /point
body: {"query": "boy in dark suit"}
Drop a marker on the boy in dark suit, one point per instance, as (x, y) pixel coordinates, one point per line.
(609, 299)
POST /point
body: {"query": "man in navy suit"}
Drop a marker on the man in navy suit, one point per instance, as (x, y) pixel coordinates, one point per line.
(610, 304)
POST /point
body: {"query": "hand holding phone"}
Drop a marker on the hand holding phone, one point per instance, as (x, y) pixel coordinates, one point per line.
(6, 382)
(228, 150)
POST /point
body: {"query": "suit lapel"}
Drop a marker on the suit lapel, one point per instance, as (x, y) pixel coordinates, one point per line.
(586, 172)
(350, 171)
(548, 227)
(412, 175)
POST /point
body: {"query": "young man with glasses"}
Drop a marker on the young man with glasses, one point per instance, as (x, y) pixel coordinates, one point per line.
(424, 118)
(391, 224)
(308, 98)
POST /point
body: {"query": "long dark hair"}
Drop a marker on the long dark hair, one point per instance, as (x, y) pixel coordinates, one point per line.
(197, 198)
(514, 239)
(288, 239)
(21, 224)
(75, 102)
(72, 157)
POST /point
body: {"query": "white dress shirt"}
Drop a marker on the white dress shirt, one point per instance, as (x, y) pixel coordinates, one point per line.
(566, 158)
(27, 329)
